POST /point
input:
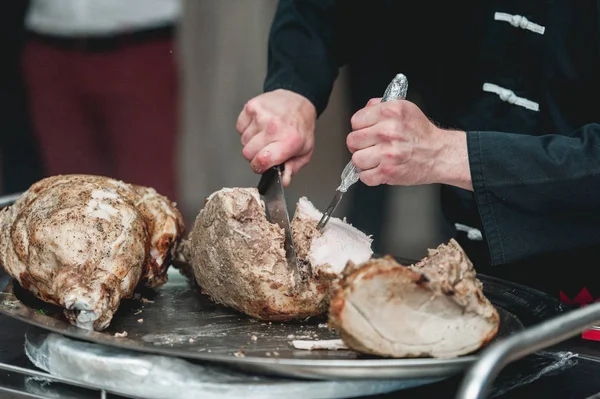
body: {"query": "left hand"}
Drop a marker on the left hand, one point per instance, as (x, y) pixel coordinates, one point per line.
(395, 143)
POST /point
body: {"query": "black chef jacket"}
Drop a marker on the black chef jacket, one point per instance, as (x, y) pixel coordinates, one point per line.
(522, 78)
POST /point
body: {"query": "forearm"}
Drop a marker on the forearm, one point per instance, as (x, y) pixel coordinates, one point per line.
(536, 194)
(304, 54)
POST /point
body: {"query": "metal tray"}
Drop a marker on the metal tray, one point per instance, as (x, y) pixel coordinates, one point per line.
(180, 321)
(177, 320)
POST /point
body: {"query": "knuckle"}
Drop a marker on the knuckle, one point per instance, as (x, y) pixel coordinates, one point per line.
(350, 143)
(246, 153)
(263, 158)
(369, 180)
(387, 169)
(295, 141)
(251, 106)
(384, 133)
(272, 126)
(390, 110)
(356, 160)
(261, 119)
(390, 155)
(355, 121)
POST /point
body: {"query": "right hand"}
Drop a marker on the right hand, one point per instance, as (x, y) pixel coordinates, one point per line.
(278, 127)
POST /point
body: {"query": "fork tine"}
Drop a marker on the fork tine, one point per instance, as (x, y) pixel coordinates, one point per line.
(330, 209)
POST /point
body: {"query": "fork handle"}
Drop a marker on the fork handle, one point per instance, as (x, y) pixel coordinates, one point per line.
(396, 90)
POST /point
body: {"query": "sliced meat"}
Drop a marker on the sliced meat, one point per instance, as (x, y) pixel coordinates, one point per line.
(434, 308)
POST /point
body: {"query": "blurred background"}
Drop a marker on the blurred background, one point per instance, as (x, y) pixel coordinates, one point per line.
(156, 101)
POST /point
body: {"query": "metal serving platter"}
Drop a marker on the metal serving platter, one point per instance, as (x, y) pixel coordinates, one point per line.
(177, 320)
(180, 321)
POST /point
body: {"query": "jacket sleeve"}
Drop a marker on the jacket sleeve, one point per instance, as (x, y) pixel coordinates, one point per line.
(536, 194)
(305, 49)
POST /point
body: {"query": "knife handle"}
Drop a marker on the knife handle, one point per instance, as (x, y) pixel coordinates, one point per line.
(268, 176)
(396, 90)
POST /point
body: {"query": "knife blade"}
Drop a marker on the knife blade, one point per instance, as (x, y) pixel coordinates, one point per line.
(270, 187)
(396, 90)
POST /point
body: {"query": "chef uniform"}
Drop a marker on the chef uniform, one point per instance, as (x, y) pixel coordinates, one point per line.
(521, 78)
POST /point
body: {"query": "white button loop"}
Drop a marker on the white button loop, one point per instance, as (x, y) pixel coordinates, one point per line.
(510, 97)
(519, 21)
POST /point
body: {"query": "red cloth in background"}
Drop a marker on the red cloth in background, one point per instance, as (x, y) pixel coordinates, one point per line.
(112, 113)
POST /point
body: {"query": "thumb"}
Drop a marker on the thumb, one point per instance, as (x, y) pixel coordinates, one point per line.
(292, 167)
(373, 101)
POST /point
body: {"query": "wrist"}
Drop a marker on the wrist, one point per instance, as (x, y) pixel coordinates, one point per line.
(451, 166)
(302, 104)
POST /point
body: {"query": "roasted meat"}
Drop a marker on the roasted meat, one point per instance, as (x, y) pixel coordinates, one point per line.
(85, 242)
(434, 308)
(239, 260)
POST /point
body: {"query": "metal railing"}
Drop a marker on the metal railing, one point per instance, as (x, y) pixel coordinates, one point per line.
(481, 375)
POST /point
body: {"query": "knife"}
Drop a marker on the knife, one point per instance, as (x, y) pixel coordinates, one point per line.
(270, 187)
(396, 90)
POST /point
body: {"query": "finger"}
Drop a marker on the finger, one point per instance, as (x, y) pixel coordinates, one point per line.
(293, 166)
(243, 121)
(368, 158)
(252, 130)
(256, 144)
(361, 139)
(246, 116)
(286, 177)
(371, 177)
(275, 153)
(366, 117)
(373, 101)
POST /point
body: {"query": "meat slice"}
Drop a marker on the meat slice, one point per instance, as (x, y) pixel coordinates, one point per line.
(85, 242)
(239, 260)
(434, 308)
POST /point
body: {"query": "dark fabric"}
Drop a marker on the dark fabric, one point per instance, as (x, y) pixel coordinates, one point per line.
(21, 165)
(536, 175)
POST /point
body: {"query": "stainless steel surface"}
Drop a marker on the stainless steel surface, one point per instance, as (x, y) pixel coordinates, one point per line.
(337, 197)
(493, 359)
(396, 90)
(33, 384)
(157, 377)
(270, 188)
(7, 200)
(180, 321)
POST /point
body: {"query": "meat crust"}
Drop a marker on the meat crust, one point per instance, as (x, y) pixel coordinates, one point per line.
(238, 257)
(84, 242)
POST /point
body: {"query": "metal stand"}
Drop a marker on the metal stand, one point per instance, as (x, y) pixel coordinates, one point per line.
(481, 375)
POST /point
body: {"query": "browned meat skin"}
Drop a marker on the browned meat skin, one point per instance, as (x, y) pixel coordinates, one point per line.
(85, 242)
(239, 259)
(434, 308)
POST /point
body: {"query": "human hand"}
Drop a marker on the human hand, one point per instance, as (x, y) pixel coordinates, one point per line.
(395, 143)
(278, 127)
